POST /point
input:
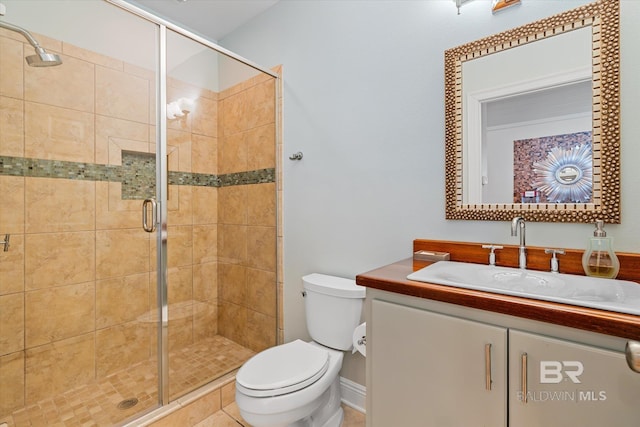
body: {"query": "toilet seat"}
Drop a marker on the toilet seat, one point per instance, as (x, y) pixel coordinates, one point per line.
(282, 369)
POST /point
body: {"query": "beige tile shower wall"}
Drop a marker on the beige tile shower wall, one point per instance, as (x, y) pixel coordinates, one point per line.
(77, 287)
(192, 221)
(247, 215)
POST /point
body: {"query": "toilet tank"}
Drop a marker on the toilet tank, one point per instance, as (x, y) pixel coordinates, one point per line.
(333, 306)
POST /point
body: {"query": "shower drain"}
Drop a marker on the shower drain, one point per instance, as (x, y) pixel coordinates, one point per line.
(128, 403)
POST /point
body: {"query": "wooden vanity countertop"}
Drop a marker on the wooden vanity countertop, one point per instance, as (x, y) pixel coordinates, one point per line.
(393, 278)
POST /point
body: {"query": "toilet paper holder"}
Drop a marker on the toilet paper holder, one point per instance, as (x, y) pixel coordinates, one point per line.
(360, 339)
(362, 343)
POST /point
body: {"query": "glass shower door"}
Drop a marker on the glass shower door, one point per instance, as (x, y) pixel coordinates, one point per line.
(221, 216)
(82, 285)
(77, 290)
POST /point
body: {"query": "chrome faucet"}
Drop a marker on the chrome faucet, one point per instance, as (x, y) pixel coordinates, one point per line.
(522, 254)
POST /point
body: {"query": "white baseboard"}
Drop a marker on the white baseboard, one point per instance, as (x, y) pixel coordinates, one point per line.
(353, 394)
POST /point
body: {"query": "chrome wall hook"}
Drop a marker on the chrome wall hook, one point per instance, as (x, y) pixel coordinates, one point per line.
(296, 156)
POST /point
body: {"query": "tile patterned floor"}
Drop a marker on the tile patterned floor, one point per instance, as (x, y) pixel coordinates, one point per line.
(96, 404)
(352, 418)
(230, 417)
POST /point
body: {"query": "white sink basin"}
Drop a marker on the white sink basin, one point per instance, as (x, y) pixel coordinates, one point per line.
(605, 294)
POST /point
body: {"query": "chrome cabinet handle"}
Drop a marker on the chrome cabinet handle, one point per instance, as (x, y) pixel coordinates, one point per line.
(523, 376)
(487, 366)
(632, 353)
(145, 215)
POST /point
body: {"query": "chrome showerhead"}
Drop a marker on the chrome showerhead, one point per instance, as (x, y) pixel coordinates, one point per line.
(43, 59)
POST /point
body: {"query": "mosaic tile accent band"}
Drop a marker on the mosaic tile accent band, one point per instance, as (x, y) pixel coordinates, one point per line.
(137, 173)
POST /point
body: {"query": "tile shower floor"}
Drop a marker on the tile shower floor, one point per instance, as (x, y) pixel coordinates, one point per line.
(96, 404)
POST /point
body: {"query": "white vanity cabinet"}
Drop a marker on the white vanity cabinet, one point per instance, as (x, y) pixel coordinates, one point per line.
(430, 369)
(431, 366)
(569, 384)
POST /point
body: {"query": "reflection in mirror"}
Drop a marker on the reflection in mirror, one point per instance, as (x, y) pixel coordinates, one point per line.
(565, 175)
(537, 89)
(515, 135)
(521, 108)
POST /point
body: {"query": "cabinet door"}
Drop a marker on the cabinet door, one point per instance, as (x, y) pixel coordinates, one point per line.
(569, 384)
(433, 370)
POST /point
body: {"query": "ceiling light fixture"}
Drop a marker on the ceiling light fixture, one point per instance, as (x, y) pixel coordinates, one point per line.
(459, 4)
(179, 108)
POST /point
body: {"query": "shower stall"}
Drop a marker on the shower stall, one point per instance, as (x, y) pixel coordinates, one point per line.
(138, 212)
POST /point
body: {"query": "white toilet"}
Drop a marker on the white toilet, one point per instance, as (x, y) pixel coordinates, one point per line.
(297, 384)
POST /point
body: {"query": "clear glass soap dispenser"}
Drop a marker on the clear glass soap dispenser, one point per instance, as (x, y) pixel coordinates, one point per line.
(599, 260)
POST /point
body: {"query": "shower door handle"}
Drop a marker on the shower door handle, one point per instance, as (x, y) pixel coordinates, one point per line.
(149, 228)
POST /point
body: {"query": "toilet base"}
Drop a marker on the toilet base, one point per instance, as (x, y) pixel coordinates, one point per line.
(324, 411)
(336, 419)
(329, 413)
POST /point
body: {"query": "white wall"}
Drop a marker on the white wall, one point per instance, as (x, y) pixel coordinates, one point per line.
(363, 100)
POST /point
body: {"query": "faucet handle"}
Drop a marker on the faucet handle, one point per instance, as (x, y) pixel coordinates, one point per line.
(492, 254)
(555, 264)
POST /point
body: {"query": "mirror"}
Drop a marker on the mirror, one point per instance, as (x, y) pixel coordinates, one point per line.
(532, 121)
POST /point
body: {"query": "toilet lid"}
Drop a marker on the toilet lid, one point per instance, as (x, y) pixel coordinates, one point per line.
(282, 369)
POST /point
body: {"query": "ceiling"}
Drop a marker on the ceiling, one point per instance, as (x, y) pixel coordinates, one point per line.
(558, 101)
(213, 19)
